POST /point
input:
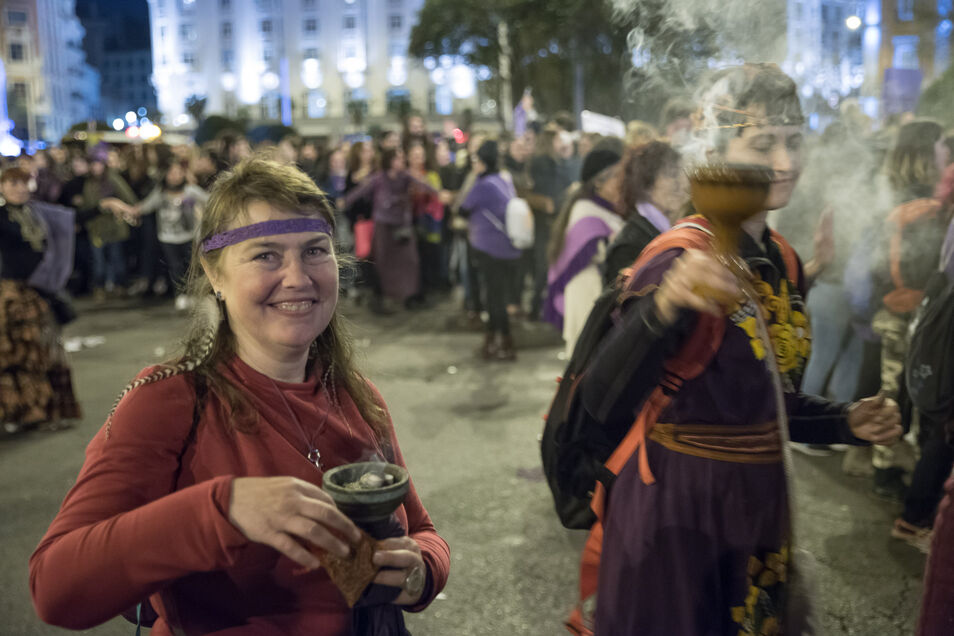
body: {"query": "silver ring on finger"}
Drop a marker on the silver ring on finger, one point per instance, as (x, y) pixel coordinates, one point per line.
(414, 581)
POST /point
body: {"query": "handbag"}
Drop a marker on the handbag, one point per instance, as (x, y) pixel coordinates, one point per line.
(363, 238)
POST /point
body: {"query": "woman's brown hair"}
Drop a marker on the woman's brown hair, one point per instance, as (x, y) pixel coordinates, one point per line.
(912, 161)
(641, 167)
(210, 343)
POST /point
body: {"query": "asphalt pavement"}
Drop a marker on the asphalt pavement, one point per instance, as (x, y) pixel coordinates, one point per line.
(469, 432)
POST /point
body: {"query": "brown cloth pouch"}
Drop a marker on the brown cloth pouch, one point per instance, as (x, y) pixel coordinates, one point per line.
(353, 573)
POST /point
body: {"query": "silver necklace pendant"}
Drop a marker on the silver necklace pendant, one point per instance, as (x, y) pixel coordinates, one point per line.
(314, 456)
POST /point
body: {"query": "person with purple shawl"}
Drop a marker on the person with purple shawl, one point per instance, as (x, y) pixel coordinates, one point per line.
(586, 225)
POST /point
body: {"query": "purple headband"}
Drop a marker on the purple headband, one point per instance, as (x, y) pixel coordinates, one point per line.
(266, 228)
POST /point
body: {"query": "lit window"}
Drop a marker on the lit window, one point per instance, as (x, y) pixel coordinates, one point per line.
(311, 26)
(905, 51)
(16, 18)
(350, 22)
(905, 10)
(226, 30)
(266, 26)
(317, 104)
(16, 52)
(395, 22)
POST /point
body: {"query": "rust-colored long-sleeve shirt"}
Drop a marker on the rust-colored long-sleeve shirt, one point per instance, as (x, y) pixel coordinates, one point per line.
(148, 515)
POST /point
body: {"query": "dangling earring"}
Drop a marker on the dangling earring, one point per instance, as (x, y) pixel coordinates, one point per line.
(218, 296)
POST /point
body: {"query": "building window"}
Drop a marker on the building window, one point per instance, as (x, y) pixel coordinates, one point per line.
(186, 5)
(19, 90)
(188, 58)
(311, 26)
(267, 55)
(395, 4)
(228, 60)
(350, 22)
(226, 30)
(398, 100)
(186, 32)
(905, 10)
(225, 5)
(350, 52)
(443, 101)
(16, 18)
(311, 53)
(16, 52)
(317, 104)
(266, 26)
(942, 44)
(271, 105)
(397, 49)
(905, 51)
(308, 4)
(395, 22)
(162, 33)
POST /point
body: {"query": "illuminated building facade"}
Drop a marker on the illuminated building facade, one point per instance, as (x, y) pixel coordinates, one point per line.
(316, 64)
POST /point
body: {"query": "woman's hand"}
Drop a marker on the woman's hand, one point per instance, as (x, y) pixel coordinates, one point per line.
(402, 553)
(876, 420)
(699, 282)
(283, 511)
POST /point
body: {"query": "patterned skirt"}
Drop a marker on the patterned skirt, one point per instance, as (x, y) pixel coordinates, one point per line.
(35, 381)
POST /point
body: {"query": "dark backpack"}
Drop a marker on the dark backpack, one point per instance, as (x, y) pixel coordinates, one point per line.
(929, 367)
(573, 454)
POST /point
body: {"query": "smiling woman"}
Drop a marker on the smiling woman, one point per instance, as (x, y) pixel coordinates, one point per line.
(202, 492)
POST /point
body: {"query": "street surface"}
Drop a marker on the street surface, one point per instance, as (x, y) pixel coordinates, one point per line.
(468, 430)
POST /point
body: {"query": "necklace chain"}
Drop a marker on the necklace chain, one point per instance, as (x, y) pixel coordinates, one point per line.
(312, 454)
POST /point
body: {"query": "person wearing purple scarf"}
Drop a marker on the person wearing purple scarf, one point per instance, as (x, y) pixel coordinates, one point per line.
(578, 246)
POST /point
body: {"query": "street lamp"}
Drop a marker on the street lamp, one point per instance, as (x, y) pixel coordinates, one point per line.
(853, 23)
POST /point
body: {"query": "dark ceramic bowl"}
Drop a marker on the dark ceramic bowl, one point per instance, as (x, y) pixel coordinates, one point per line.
(366, 505)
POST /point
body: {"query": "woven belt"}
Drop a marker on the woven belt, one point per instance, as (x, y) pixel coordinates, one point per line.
(741, 444)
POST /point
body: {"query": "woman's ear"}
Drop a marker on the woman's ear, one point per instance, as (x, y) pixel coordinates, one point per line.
(209, 273)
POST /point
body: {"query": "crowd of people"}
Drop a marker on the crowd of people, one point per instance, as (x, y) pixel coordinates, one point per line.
(533, 225)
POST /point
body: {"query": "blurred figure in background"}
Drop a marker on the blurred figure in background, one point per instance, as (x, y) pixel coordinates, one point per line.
(654, 191)
(908, 254)
(589, 221)
(36, 387)
(177, 207)
(486, 210)
(550, 177)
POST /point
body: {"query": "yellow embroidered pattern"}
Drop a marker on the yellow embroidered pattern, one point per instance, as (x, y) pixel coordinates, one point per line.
(787, 325)
(759, 615)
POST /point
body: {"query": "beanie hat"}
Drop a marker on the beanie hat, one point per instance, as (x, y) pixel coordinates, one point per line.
(597, 161)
